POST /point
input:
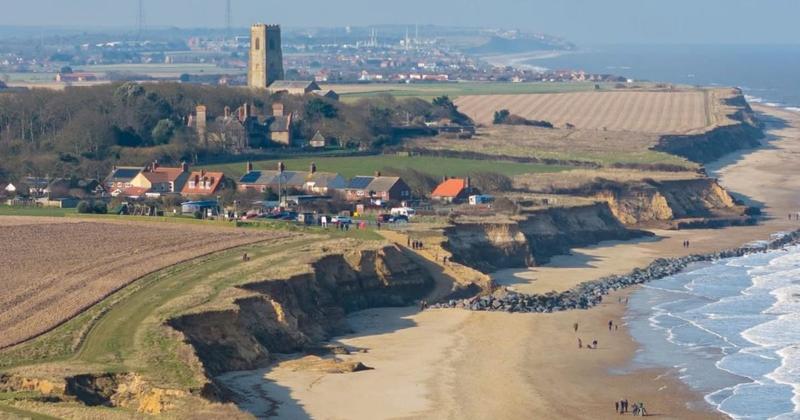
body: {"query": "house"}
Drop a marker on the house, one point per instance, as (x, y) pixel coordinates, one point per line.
(311, 181)
(10, 189)
(133, 193)
(318, 141)
(453, 190)
(203, 183)
(386, 188)
(120, 177)
(293, 87)
(75, 77)
(34, 185)
(245, 128)
(158, 180)
(329, 94)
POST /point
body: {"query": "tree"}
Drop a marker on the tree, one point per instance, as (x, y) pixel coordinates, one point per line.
(318, 108)
(163, 131)
(501, 116)
(491, 182)
(65, 70)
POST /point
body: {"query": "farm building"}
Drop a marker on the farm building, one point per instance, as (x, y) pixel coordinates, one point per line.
(329, 94)
(121, 177)
(318, 141)
(293, 87)
(157, 179)
(387, 188)
(453, 190)
(203, 183)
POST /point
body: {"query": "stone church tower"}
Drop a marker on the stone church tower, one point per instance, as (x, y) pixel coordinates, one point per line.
(266, 56)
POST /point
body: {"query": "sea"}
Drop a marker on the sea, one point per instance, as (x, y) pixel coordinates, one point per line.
(766, 73)
(729, 329)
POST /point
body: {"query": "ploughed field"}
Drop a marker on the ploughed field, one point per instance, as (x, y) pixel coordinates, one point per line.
(55, 268)
(658, 112)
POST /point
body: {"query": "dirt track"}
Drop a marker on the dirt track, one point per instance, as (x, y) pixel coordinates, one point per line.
(53, 269)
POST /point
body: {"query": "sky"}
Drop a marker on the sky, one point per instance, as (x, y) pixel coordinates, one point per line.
(580, 21)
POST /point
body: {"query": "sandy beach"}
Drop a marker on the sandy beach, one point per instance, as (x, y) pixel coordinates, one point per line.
(459, 364)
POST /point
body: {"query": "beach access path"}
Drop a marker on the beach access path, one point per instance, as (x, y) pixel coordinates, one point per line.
(462, 364)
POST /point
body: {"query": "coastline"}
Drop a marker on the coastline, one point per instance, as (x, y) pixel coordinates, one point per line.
(457, 363)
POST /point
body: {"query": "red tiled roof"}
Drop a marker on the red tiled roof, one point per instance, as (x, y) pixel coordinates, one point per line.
(135, 191)
(171, 174)
(450, 188)
(197, 177)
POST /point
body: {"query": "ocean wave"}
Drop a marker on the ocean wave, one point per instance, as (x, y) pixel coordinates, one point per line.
(735, 327)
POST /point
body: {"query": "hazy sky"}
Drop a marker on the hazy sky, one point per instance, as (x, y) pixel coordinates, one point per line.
(581, 21)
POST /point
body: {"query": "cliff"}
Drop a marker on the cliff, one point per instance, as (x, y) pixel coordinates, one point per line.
(663, 201)
(287, 315)
(533, 237)
(744, 132)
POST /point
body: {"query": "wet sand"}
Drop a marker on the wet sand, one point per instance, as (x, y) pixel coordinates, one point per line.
(459, 364)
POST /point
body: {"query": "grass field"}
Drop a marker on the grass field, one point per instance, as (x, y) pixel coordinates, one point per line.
(658, 112)
(35, 211)
(604, 148)
(349, 167)
(352, 92)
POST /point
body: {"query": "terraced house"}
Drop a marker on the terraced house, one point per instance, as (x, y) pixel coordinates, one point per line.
(157, 180)
(311, 181)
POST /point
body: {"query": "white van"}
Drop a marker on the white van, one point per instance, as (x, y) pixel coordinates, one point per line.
(404, 211)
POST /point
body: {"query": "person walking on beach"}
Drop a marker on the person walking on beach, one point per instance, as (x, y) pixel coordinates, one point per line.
(610, 325)
(616, 407)
(594, 344)
(575, 327)
(580, 343)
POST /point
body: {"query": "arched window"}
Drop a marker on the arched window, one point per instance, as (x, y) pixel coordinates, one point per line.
(258, 44)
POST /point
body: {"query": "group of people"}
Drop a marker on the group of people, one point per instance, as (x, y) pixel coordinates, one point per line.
(794, 216)
(592, 346)
(686, 244)
(423, 305)
(415, 244)
(621, 407)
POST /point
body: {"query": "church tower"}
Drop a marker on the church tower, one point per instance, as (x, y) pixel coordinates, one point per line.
(266, 56)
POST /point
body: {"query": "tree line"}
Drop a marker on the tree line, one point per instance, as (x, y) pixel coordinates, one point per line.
(84, 131)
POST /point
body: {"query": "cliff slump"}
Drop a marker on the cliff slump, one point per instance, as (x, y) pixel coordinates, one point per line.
(664, 201)
(291, 314)
(746, 132)
(534, 237)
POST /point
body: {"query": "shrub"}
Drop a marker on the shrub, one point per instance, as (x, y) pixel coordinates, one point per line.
(84, 207)
(198, 215)
(100, 207)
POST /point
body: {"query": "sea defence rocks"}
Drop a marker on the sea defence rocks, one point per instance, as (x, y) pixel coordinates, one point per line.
(590, 294)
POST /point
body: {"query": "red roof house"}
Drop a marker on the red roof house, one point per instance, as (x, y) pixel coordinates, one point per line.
(203, 183)
(452, 190)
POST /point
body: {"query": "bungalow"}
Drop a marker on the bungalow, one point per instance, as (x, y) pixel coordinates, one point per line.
(203, 183)
(318, 141)
(120, 177)
(310, 181)
(10, 189)
(162, 180)
(453, 190)
(386, 188)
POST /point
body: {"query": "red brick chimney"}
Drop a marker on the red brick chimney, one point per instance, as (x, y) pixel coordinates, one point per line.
(184, 167)
(249, 166)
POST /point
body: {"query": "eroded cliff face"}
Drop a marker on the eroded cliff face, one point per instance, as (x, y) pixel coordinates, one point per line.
(666, 200)
(534, 237)
(290, 314)
(745, 133)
